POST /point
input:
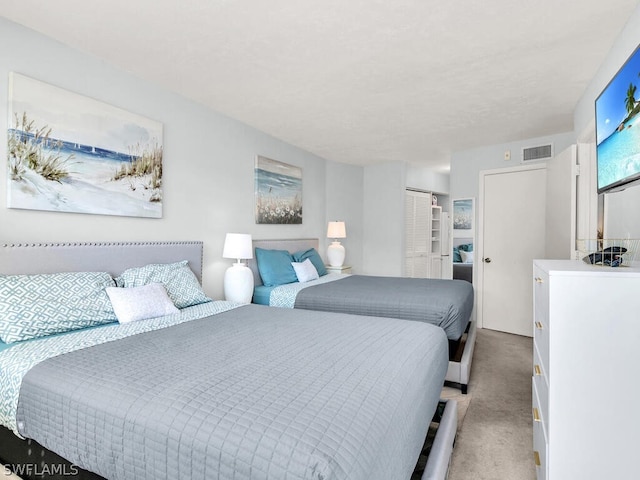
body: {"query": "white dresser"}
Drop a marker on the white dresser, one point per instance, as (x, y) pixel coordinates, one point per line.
(586, 371)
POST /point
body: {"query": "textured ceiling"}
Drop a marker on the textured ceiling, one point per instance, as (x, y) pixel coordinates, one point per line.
(356, 81)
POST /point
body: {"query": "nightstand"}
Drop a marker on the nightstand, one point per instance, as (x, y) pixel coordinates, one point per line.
(342, 269)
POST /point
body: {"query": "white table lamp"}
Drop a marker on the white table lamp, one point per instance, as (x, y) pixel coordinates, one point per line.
(238, 279)
(335, 251)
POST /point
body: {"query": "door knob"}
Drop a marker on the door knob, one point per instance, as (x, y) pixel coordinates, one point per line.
(486, 260)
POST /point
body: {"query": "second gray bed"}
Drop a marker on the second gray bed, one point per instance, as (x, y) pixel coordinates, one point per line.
(445, 303)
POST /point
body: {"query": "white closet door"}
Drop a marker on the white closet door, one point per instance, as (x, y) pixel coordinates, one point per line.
(417, 234)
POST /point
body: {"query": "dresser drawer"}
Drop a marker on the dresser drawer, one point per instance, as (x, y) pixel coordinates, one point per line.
(540, 295)
(541, 316)
(541, 289)
(540, 451)
(541, 387)
(540, 442)
(541, 342)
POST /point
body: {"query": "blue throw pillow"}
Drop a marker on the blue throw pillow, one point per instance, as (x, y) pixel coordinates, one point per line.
(467, 247)
(275, 267)
(315, 258)
(457, 258)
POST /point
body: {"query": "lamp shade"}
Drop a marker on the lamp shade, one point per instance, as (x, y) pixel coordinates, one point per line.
(237, 245)
(336, 230)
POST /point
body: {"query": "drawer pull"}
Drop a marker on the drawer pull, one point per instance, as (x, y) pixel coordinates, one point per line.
(536, 458)
(537, 370)
(536, 414)
(539, 325)
(539, 280)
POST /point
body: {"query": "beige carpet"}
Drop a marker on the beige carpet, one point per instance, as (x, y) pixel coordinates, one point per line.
(494, 439)
(463, 401)
(5, 474)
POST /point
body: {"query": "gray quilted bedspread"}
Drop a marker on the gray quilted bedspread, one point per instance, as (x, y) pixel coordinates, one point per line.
(253, 393)
(445, 303)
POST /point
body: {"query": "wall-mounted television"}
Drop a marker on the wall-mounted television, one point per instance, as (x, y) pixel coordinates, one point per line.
(618, 128)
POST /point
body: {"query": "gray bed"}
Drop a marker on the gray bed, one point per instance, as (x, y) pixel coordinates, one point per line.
(234, 392)
(445, 303)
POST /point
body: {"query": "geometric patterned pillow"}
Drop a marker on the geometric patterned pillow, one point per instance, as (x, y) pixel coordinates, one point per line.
(33, 306)
(180, 282)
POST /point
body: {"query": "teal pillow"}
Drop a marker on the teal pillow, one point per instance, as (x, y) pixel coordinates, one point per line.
(178, 279)
(467, 247)
(456, 255)
(33, 306)
(275, 267)
(313, 255)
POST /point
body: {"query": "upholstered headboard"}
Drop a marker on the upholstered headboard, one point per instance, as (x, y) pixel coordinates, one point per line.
(112, 257)
(290, 245)
(461, 241)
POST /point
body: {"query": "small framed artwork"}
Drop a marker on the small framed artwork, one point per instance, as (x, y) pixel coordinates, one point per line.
(278, 188)
(463, 217)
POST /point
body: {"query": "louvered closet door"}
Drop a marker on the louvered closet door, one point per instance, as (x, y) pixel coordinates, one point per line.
(417, 234)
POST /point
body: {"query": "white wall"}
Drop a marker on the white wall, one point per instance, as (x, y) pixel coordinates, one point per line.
(622, 215)
(466, 165)
(383, 226)
(208, 164)
(427, 180)
(345, 190)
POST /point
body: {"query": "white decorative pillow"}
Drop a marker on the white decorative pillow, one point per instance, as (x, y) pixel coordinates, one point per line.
(467, 257)
(139, 303)
(305, 271)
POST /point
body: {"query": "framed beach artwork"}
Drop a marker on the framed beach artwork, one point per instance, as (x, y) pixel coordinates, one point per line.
(463, 217)
(71, 153)
(278, 189)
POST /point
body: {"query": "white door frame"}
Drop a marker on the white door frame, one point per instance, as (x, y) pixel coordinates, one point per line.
(478, 268)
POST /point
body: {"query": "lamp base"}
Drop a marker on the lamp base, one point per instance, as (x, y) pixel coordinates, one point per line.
(238, 283)
(335, 254)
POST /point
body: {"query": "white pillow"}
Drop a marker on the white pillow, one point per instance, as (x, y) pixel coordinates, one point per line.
(137, 303)
(467, 257)
(305, 271)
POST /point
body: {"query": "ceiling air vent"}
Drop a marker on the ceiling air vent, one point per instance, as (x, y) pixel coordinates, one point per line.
(537, 154)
